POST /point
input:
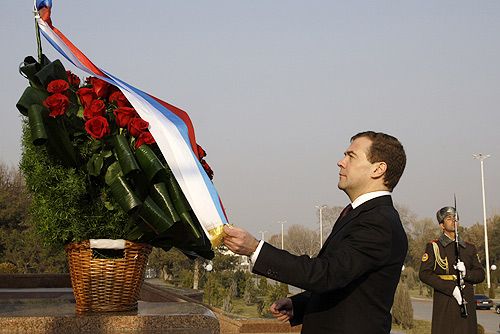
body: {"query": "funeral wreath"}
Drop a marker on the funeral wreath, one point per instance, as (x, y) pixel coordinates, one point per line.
(93, 168)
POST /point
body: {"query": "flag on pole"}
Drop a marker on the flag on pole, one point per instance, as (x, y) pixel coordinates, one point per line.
(170, 126)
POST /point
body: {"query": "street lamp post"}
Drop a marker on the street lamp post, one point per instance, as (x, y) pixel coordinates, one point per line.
(481, 157)
(282, 242)
(262, 235)
(320, 209)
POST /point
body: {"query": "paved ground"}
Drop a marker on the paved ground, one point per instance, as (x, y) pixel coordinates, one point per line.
(422, 309)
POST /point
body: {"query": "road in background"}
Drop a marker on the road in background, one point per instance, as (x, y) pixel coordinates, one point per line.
(422, 309)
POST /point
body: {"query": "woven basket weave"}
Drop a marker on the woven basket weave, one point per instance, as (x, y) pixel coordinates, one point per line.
(106, 285)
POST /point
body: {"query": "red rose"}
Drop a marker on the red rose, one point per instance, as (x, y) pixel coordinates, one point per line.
(73, 79)
(97, 127)
(207, 169)
(145, 138)
(86, 96)
(57, 86)
(137, 126)
(100, 86)
(57, 104)
(96, 108)
(124, 115)
(119, 99)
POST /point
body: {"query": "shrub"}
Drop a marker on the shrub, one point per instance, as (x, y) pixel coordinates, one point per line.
(402, 310)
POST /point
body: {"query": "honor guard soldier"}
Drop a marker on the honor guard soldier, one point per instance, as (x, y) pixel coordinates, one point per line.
(453, 309)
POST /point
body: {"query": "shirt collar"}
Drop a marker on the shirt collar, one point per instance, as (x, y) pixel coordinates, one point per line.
(368, 196)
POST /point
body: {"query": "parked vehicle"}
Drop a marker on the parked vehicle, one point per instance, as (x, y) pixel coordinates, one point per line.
(483, 302)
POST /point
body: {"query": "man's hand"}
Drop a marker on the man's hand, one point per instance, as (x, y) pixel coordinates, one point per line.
(457, 295)
(239, 241)
(460, 266)
(282, 309)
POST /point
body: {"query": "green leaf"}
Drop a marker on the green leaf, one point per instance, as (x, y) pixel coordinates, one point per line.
(124, 195)
(112, 173)
(37, 127)
(79, 112)
(159, 193)
(135, 234)
(58, 142)
(153, 215)
(30, 67)
(149, 162)
(124, 154)
(53, 71)
(94, 165)
(107, 154)
(31, 95)
(108, 205)
(181, 204)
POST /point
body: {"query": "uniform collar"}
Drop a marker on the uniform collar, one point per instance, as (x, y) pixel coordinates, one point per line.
(445, 240)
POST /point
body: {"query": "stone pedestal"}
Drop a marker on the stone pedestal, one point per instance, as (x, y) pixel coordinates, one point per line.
(33, 308)
(151, 317)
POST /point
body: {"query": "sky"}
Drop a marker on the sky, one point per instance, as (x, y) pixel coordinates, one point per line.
(276, 88)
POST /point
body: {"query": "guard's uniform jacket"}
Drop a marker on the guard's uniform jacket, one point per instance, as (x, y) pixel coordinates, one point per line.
(436, 270)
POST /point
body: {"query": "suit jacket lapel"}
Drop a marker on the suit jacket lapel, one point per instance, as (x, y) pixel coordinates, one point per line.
(342, 222)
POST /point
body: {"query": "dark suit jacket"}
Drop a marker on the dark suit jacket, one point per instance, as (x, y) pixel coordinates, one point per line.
(350, 285)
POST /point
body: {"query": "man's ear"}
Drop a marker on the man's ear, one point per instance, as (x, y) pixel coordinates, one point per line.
(379, 169)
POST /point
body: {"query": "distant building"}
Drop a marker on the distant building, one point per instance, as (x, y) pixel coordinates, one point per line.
(243, 260)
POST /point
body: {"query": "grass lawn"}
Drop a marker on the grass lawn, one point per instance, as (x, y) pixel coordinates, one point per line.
(247, 311)
(420, 327)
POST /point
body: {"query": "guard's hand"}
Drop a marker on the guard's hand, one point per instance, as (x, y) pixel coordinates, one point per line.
(239, 241)
(460, 266)
(457, 295)
(282, 309)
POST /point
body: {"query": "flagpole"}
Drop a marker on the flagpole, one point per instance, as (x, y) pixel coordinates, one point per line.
(37, 32)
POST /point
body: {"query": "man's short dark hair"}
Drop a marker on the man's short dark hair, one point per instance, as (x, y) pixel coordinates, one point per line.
(388, 149)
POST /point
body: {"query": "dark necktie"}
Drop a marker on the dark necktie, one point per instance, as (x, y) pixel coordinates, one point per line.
(345, 211)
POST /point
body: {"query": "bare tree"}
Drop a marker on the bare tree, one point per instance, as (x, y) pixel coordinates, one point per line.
(329, 216)
(302, 241)
(422, 232)
(408, 218)
(14, 199)
(299, 240)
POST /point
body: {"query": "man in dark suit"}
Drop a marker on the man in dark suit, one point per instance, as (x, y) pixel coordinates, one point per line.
(349, 287)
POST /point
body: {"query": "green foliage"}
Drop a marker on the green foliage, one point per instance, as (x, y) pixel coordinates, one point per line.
(7, 268)
(250, 293)
(480, 329)
(171, 265)
(262, 286)
(214, 290)
(491, 291)
(14, 200)
(22, 249)
(409, 276)
(276, 291)
(402, 310)
(64, 208)
(420, 327)
(186, 278)
(222, 262)
(480, 288)
(227, 304)
(260, 305)
(241, 278)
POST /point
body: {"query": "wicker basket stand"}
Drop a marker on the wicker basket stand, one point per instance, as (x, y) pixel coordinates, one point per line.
(106, 284)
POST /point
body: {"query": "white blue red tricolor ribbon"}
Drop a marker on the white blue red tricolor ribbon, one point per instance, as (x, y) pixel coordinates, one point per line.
(170, 126)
